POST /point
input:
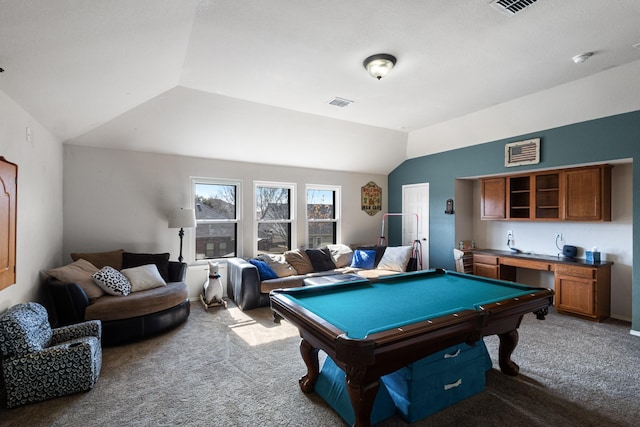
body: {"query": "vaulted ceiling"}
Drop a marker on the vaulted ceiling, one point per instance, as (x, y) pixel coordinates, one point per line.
(76, 65)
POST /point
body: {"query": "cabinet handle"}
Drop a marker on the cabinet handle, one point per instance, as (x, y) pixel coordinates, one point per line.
(453, 385)
(449, 356)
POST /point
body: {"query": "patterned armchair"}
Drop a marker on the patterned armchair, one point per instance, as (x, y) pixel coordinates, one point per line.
(39, 362)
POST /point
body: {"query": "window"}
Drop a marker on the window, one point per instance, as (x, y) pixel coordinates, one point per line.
(217, 218)
(323, 219)
(274, 217)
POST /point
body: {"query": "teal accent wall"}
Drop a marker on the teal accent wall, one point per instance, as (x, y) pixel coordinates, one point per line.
(601, 140)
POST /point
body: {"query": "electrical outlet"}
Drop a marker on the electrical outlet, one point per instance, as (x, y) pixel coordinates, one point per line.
(559, 236)
(510, 234)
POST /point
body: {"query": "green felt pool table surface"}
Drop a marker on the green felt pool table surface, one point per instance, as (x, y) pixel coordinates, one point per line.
(364, 308)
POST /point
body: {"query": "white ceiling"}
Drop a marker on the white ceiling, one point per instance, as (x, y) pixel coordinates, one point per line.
(75, 65)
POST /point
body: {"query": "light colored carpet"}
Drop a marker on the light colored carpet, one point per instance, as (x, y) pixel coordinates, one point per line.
(229, 368)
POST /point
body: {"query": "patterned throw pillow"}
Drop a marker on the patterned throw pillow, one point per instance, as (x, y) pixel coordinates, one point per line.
(112, 281)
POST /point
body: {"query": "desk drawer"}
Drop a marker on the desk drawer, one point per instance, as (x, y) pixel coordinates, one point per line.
(526, 263)
(572, 270)
(485, 259)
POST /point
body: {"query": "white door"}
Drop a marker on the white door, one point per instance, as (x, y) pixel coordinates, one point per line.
(415, 201)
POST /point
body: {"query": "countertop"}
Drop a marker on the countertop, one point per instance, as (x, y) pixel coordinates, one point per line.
(546, 258)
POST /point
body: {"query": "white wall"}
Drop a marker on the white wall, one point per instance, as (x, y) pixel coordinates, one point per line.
(607, 93)
(613, 239)
(122, 199)
(39, 218)
(188, 122)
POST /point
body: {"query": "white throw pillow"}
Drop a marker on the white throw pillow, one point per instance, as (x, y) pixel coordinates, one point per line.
(112, 281)
(395, 258)
(144, 277)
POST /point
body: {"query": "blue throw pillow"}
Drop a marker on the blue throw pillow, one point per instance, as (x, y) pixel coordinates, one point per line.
(363, 259)
(264, 270)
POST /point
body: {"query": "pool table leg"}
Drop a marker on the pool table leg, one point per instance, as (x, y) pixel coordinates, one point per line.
(508, 342)
(310, 357)
(361, 395)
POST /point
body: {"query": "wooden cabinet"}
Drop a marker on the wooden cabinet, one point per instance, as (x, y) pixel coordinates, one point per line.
(493, 198)
(578, 194)
(519, 196)
(489, 266)
(547, 194)
(8, 211)
(583, 291)
(535, 196)
(486, 266)
(588, 193)
(528, 196)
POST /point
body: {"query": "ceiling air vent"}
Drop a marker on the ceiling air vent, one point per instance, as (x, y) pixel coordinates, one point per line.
(340, 102)
(511, 7)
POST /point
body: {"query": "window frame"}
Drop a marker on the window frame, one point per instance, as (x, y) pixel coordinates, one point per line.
(337, 211)
(292, 187)
(238, 221)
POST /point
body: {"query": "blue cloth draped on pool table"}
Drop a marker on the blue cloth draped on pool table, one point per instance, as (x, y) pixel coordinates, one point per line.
(362, 313)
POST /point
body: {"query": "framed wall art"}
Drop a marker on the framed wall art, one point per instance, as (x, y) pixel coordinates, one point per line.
(371, 198)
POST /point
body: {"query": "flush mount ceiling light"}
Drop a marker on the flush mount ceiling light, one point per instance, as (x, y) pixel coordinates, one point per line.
(579, 59)
(379, 65)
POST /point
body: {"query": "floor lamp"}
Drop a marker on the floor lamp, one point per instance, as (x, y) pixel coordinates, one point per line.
(182, 218)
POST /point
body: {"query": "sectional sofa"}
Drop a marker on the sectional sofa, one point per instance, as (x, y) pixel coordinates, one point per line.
(251, 280)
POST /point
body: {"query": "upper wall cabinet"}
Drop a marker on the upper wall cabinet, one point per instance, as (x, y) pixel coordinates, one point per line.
(493, 198)
(588, 193)
(535, 196)
(577, 194)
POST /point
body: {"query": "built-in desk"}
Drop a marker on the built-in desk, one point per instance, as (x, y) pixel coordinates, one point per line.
(582, 288)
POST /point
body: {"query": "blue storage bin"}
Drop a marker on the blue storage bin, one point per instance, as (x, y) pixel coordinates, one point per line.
(438, 381)
(408, 381)
(332, 387)
(441, 390)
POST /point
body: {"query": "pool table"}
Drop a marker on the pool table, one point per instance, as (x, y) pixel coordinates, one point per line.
(371, 329)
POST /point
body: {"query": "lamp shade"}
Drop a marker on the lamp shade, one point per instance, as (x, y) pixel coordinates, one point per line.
(183, 218)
